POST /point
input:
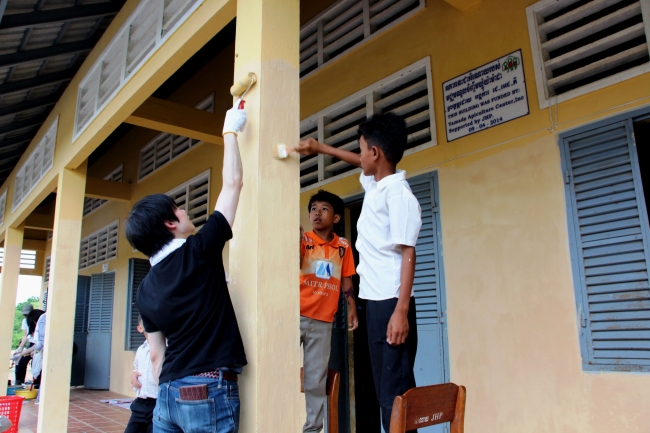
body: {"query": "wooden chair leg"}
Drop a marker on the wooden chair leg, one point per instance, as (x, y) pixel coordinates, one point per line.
(457, 425)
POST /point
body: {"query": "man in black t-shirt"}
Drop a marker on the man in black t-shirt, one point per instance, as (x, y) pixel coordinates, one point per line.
(196, 348)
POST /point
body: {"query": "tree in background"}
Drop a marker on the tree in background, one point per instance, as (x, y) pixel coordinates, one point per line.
(18, 319)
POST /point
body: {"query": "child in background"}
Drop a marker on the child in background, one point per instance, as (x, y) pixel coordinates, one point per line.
(145, 387)
(388, 229)
(326, 268)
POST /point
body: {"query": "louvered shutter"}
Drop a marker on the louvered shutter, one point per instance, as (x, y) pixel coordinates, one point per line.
(345, 25)
(100, 318)
(609, 228)
(45, 300)
(138, 269)
(430, 367)
(81, 307)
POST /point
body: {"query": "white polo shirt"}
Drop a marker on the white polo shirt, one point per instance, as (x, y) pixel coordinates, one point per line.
(390, 217)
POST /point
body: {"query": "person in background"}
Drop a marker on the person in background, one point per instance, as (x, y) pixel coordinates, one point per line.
(36, 322)
(146, 390)
(22, 361)
(326, 269)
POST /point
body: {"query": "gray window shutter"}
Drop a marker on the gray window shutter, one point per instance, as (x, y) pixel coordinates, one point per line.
(81, 307)
(426, 279)
(100, 314)
(138, 269)
(608, 226)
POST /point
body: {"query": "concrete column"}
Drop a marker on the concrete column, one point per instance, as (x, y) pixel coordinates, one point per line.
(8, 287)
(62, 297)
(264, 253)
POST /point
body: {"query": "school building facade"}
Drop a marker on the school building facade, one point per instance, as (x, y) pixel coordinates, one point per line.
(528, 122)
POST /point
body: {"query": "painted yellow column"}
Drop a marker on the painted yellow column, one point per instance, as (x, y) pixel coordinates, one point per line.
(62, 296)
(264, 254)
(8, 287)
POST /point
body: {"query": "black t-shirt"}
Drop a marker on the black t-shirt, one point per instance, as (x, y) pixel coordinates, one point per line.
(185, 296)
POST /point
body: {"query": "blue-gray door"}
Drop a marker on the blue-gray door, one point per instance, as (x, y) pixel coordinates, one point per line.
(431, 365)
(80, 332)
(100, 323)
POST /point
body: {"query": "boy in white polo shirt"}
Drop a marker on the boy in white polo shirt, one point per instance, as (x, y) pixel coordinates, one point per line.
(388, 230)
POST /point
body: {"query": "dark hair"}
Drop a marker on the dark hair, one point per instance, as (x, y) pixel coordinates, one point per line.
(327, 197)
(387, 132)
(145, 226)
(32, 319)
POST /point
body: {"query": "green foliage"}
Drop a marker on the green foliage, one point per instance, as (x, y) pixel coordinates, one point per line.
(18, 319)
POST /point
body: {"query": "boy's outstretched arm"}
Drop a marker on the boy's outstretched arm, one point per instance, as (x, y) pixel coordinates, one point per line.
(157, 348)
(232, 167)
(398, 325)
(310, 146)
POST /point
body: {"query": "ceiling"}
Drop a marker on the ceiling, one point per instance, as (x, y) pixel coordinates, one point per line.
(42, 45)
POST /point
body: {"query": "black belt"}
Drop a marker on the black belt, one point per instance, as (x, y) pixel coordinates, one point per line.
(225, 375)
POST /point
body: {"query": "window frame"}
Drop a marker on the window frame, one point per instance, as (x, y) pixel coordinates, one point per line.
(367, 34)
(366, 92)
(184, 185)
(3, 206)
(545, 100)
(90, 82)
(96, 233)
(209, 97)
(45, 166)
(577, 271)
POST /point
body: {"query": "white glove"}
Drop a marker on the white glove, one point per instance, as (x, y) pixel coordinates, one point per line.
(16, 357)
(235, 120)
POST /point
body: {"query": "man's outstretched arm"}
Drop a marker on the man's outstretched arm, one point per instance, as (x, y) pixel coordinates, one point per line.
(232, 167)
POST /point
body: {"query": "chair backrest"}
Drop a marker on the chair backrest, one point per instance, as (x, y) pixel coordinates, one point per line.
(429, 405)
(332, 390)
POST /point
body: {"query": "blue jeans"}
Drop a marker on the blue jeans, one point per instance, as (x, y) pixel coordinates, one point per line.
(218, 414)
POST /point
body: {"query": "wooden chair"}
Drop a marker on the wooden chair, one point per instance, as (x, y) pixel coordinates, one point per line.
(429, 405)
(332, 391)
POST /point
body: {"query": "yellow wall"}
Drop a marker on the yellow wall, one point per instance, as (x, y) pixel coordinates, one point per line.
(513, 336)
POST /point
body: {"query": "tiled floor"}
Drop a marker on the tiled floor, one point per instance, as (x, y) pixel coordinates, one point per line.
(87, 414)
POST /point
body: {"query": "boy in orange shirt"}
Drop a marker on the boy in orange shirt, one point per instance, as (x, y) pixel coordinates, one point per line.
(326, 268)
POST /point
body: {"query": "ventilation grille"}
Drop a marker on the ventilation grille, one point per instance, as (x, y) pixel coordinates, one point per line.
(193, 197)
(48, 263)
(27, 258)
(141, 35)
(3, 207)
(45, 300)
(406, 93)
(345, 25)
(165, 147)
(99, 246)
(90, 204)
(583, 42)
(37, 165)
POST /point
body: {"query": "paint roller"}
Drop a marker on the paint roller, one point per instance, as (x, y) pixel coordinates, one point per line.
(242, 86)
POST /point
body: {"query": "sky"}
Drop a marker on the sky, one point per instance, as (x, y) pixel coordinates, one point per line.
(28, 285)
